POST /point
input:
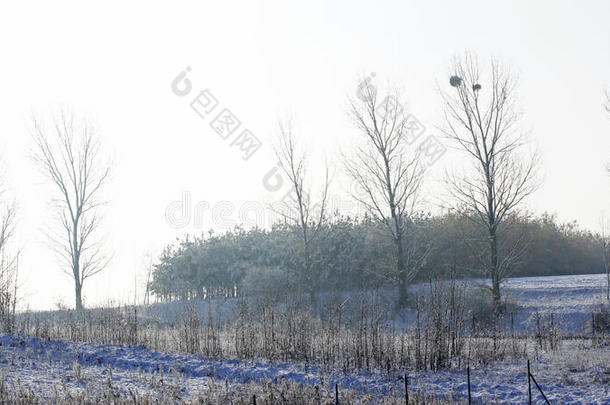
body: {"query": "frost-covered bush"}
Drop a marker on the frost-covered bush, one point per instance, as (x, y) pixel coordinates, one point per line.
(267, 281)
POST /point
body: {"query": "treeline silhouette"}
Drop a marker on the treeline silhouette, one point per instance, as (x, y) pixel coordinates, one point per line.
(357, 254)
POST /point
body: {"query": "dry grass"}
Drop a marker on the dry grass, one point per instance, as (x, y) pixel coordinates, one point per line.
(365, 341)
(266, 392)
(336, 340)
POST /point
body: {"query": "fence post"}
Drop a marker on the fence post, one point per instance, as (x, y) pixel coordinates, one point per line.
(337, 394)
(529, 384)
(406, 389)
(254, 399)
(468, 373)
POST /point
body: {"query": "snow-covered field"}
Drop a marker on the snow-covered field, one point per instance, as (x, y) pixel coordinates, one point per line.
(47, 366)
(571, 299)
(579, 373)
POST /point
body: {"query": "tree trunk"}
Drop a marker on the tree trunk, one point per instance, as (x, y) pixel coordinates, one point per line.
(402, 274)
(76, 270)
(495, 276)
(77, 295)
(313, 299)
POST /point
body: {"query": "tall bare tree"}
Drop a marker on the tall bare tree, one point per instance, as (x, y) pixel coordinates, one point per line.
(9, 259)
(69, 154)
(389, 172)
(481, 119)
(307, 215)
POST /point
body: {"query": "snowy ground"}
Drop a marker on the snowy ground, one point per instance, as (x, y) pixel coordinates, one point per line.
(580, 377)
(43, 366)
(571, 299)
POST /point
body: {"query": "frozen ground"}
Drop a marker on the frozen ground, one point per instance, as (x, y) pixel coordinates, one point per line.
(45, 366)
(580, 377)
(571, 299)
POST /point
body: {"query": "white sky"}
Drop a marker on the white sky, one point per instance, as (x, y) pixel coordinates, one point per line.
(114, 62)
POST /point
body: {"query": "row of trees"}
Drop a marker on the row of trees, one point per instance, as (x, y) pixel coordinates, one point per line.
(480, 120)
(357, 254)
(486, 232)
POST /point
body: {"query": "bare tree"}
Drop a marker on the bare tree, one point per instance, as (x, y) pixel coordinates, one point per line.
(480, 118)
(68, 153)
(9, 260)
(308, 216)
(389, 172)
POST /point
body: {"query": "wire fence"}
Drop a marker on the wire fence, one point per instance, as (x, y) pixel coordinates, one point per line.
(532, 396)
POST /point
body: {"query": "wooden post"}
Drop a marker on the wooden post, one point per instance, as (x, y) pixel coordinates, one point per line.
(469, 397)
(337, 394)
(406, 389)
(529, 384)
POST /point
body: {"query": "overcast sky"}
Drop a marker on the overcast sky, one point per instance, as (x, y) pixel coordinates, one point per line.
(114, 62)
